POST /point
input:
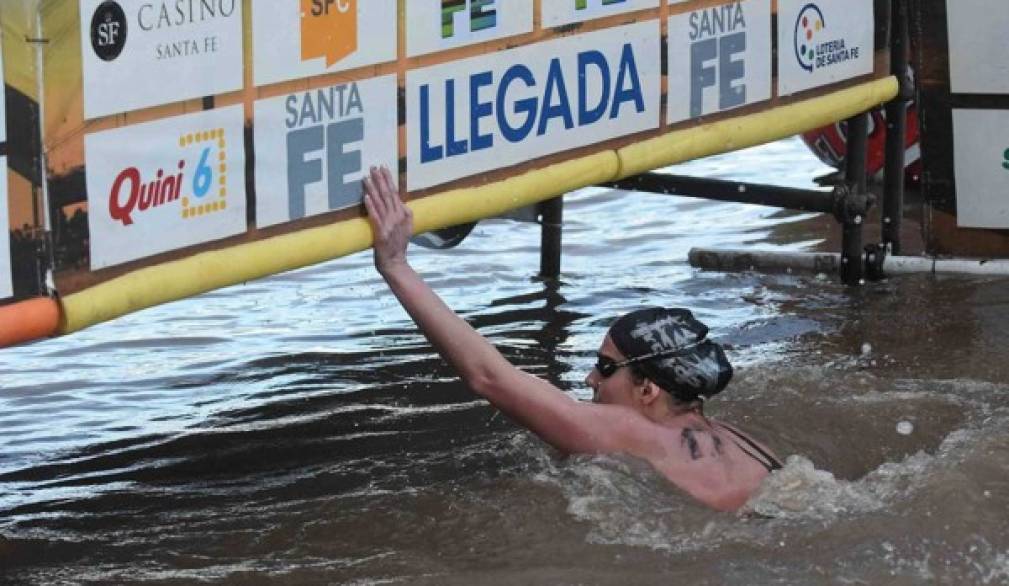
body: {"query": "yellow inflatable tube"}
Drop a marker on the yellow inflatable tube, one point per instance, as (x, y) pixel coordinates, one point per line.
(212, 270)
(740, 133)
(207, 271)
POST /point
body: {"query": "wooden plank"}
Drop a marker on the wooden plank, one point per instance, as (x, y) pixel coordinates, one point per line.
(931, 55)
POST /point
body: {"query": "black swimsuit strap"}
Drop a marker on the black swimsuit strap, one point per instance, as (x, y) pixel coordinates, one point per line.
(768, 461)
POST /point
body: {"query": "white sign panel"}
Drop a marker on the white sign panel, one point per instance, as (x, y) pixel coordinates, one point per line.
(493, 111)
(562, 12)
(165, 185)
(436, 25)
(314, 147)
(721, 56)
(142, 54)
(6, 285)
(823, 42)
(978, 45)
(981, 160)
(294, 39)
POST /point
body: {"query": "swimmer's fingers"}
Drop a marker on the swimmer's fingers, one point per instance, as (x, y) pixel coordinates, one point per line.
(392, 222)
(390, 186)
(399, 214)
(374, 201)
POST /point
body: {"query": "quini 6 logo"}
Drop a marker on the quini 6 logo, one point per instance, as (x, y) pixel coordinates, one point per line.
(133, 194)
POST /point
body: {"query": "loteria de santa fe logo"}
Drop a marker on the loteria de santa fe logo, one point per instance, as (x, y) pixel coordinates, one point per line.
(814, 49)
(808, 25)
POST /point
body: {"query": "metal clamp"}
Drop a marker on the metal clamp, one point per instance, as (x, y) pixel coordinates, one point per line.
(851, 207)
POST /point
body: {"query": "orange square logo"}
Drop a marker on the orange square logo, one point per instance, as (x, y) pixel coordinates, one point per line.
(328, 29)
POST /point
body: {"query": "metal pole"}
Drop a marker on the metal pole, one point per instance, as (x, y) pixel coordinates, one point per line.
(550, 237)
(855, 176)
(896, 129)
(719, 189)
(727, 259)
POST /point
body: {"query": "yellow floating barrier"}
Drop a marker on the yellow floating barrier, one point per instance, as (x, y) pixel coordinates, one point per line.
(212, 270)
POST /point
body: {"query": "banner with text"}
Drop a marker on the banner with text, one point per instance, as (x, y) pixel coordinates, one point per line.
(981, 159)
(294, 39)
(823, 42)
(494, 111)
(142, 54)
(181, 182)
(312, 147)
(722, 57)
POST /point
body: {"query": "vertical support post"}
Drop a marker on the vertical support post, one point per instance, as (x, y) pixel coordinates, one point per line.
(852, 269)
(551, 227)
(896, 129)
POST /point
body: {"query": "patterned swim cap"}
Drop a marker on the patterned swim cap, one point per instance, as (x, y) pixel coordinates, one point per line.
(687, 365)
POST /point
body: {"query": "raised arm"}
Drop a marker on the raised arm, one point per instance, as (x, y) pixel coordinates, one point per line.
(558, 419)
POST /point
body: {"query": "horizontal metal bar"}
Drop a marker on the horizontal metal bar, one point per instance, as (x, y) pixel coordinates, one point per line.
(827, 262)
(764, 260)
(807, 200)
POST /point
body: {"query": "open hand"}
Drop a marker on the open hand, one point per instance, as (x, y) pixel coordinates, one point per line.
(391, 221)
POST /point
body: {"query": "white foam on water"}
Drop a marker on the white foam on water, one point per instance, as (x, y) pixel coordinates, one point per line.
(998, 569)
(801, 491)
(626, 503)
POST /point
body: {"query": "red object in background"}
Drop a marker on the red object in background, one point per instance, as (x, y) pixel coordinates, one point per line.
(829, 144)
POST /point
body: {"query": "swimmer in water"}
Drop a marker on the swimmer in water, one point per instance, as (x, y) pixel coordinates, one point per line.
(654, 370)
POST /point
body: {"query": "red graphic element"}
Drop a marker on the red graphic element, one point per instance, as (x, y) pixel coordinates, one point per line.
(141, 196)
(829, 143)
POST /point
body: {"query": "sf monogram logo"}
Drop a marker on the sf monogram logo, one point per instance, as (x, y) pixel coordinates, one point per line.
(108, 30)
(328, 29)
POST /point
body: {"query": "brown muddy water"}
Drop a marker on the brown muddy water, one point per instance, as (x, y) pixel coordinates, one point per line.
(298, 430)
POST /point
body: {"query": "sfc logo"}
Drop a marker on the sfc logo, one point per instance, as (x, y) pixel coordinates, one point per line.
(328, 29)
(807, 27)
(108, 30)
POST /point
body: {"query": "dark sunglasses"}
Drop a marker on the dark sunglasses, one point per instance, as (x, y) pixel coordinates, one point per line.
(606, 366)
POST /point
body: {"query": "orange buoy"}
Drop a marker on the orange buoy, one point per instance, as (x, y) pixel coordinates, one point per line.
(27, 321)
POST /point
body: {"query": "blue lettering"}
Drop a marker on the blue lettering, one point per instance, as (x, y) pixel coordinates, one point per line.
(525, 106)
(427, 152)
(479, 110)
(510, 106)
(586, 115)
(453, 147)
(555, 83)
(628, 68)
